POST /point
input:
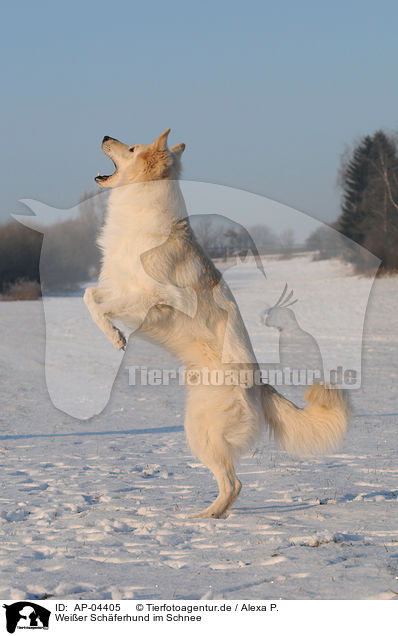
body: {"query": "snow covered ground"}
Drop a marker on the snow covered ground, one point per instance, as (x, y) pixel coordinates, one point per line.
(101, 508)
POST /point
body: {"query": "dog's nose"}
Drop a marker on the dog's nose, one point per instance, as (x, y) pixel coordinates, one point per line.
(106, 138)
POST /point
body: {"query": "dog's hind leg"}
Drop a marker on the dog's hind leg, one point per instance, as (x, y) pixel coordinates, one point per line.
(229, 488)
(207, 441)
(100, 313)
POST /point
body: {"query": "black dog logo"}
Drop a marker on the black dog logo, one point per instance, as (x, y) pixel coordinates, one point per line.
(32, 616)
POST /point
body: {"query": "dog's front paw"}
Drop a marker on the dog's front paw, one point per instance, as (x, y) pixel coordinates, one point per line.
(118, 340)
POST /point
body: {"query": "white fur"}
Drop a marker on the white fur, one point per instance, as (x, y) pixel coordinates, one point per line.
(185, 312)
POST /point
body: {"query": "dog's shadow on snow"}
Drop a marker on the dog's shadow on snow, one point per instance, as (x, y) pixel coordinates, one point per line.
(284, 508)
(138, 431)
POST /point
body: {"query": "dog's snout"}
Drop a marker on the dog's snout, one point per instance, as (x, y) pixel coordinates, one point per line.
(106, 138)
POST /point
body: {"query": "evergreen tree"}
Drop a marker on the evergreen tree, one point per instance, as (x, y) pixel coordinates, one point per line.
(355, 180)
(370, 201)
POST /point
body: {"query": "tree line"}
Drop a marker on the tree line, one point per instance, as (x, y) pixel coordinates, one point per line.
(72, 255)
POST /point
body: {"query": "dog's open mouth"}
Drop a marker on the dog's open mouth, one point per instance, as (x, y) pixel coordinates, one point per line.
(108, 148)
(101, 178)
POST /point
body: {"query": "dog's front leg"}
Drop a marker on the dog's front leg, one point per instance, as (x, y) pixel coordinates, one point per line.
(101, 313)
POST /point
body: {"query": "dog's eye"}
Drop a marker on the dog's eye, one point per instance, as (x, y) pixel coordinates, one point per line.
(132, 149)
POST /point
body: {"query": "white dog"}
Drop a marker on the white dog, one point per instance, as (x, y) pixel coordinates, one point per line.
(157, 280)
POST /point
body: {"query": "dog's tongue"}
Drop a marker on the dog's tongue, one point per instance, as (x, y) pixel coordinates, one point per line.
(100, 177)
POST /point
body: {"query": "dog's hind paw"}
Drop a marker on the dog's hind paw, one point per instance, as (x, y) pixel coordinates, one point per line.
(118, 340)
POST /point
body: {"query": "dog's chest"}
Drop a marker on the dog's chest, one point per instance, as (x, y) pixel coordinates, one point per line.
(123, 248)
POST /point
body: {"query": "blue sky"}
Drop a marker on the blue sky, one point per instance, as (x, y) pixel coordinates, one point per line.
(266, 95)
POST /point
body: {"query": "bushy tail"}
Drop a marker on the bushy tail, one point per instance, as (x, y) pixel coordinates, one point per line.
(318, 428)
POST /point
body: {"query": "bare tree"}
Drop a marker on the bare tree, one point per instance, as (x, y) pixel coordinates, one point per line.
(287, 241)
(204, 232)
(264, 238)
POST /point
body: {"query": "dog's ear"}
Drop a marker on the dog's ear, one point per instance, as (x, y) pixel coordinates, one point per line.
(178, 149)
(161, 142)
